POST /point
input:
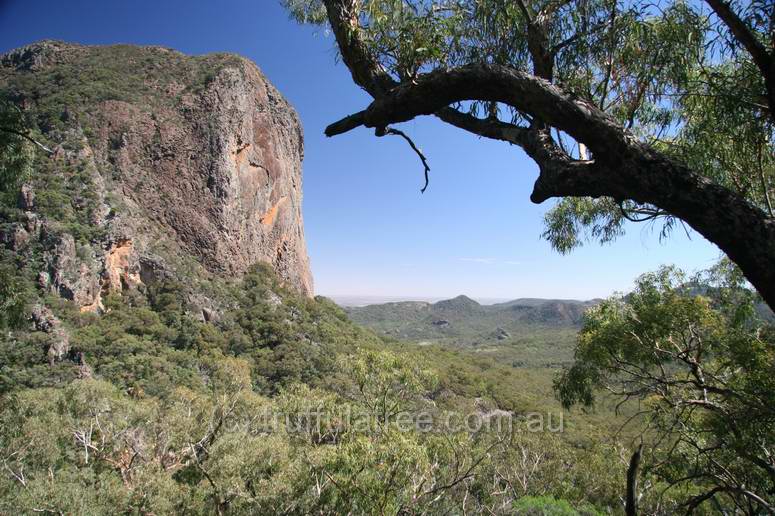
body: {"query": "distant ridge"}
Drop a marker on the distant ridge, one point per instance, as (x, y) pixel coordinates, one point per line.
(467, 321)
(347, 300)
(536, 301)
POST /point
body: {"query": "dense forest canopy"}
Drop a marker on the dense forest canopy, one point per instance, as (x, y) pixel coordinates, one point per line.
(644, 111)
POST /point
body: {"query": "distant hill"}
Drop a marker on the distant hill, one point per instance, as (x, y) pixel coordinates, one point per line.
(364, 300)
(527, 332)
(463, 322)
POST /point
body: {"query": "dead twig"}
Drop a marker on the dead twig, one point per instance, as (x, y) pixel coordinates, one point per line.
(382, 131)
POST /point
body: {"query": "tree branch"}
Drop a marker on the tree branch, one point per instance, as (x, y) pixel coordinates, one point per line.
(370, 75)
(742, 34)
(396, 132)
(578, 35)
(436, 90)
(489, 128)
(632, 482)
(525, 12)
(763, 59)
(623, 167)
(366, 71)
(27, 137)
(346, 124)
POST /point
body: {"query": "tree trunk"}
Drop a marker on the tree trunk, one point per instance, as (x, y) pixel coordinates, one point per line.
(631, 507)
(742, 231)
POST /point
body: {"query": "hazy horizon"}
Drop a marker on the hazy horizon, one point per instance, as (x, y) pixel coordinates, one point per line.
(365, 300)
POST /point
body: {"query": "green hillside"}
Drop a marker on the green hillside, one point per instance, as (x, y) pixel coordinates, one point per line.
(156, 411)
(522, 333)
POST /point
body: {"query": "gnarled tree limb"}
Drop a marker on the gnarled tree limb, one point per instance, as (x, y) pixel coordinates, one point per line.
(436, 90)
(623, 167)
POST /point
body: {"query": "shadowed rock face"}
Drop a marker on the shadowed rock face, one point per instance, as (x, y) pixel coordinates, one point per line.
(223, 172)
(194, 157)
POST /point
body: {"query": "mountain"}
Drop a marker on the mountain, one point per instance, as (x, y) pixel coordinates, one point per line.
(163, 166)
(464, 321)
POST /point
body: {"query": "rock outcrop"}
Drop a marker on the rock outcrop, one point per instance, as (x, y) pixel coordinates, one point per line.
(167, 165)
(43, 319)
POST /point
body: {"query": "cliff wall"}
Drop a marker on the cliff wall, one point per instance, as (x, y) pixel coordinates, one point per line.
(163, 165)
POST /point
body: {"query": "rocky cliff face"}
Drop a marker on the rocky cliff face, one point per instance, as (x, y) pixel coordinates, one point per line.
(163, 165)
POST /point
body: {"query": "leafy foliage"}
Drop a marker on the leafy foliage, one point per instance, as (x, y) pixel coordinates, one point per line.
(16, 153)
(701, 365)
(671, 72)
(14, 299)
(283, 405)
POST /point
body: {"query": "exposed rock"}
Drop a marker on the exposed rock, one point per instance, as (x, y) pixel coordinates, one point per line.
(26, 199)
(273, 299)
(14, 236)
(501, 334)
(31, 57)
(32, 224)
(84, 370)
(224, 178)
(209, 315)
(122, 267)
(153, 269)
(68, 275)
(43, 319)
(44, 280)
(20, 237)
(202, 169)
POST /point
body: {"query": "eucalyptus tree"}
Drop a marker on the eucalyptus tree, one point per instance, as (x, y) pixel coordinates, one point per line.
(16, 147)
(701, 370)
(645, 111)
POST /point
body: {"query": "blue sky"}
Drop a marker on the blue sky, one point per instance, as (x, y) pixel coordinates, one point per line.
(368, 228)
